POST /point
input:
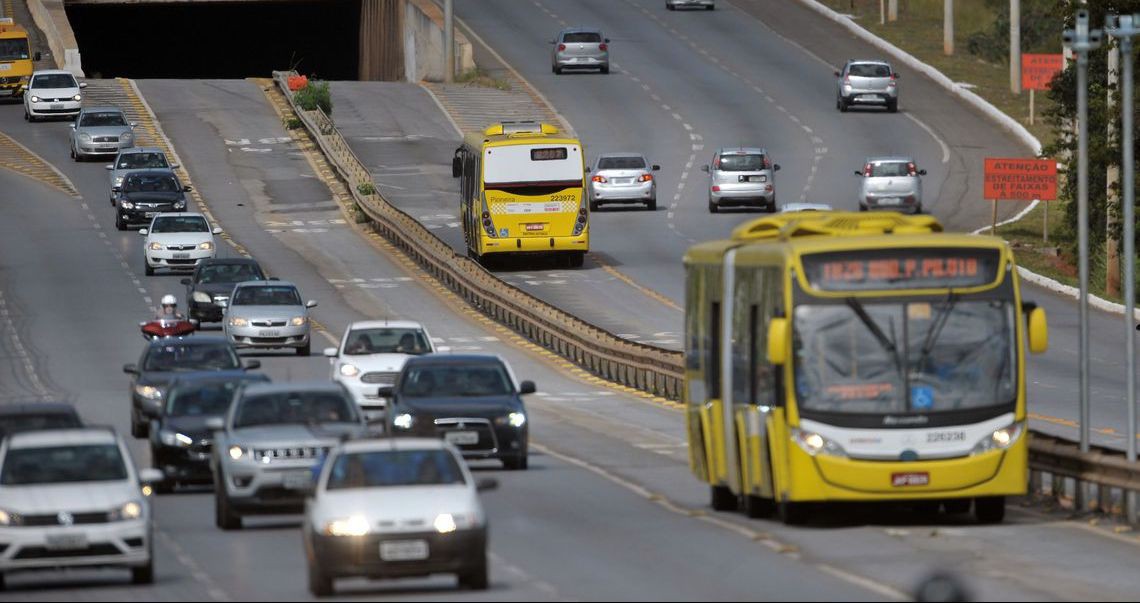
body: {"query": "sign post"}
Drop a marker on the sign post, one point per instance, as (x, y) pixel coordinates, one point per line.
(1017, 179)
(1037, 70)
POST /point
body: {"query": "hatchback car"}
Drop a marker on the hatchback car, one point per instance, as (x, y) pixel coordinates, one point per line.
(471, 401)
(133, 159)
(395, 508)
(145, 194)
(37, 415)
(580, 47)
(371, 354)
(743, 176)
(100, 131)
(208, 291)
(268, 315)
(178, 242)
(867, 83)
(52, 93)
(890, 183)
(73, 498)
(622, 178)
(675, 4)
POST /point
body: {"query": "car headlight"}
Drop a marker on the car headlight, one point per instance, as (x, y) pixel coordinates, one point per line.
(118, 180)
(814, 443)
(155, 246)
(148, 392)
(514, 419)
(1000, 439)
(126, 136)
(357, 525)
(9, 519)
(77, 98)
(173, 438)
(403, 421)
(127, 512)
(207, 245)
(237, 452)
(202, 297)
(35, 99)
(179, 205)
(299, 321)
(444, 523)
(349, 370)
(85, 137)
(126, 204)
(238, 321)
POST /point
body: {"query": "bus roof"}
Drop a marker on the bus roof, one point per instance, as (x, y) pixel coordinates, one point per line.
(9, 29)
(508, 133)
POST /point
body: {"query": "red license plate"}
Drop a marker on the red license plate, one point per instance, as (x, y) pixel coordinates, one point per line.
(535, 227)
(901, 480)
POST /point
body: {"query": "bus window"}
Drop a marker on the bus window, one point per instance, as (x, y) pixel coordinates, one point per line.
(712, 367)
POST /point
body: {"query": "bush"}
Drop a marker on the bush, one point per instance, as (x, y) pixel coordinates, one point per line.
(366, 188)
(292, 123)
(315, 95)
(360, 217)
(1041, 20)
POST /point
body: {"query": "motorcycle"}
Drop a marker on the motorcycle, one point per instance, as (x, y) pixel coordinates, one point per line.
(160, 328)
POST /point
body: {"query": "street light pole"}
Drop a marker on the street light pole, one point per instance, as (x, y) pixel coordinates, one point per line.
(1124, 28)
(1082, 40)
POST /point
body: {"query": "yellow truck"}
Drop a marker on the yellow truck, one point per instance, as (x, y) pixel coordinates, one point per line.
(15, 58)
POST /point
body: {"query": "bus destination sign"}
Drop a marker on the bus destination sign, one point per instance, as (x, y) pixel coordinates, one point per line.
(892, 269)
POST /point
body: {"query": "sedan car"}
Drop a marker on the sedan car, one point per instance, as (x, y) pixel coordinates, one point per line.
(100, 131)
(178, 242)
(133, 159)
(145, 194)
(622, 178)
(890, 183)
(180, 442)
(268, 315)
(164, 360)
(208, 291)
(867, 83)
(37, 415)
(72, 498)
(743, 176)
(580, 47)
(395, 508)
(675, 4)
(372, 353)
(266, 448)
(52, 93)
(471, 401)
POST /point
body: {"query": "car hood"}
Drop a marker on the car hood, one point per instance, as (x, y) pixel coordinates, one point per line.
(388, 363)
(193, 426)
(266, 312)
(293, 436)
(76, 497)
(483, 407)
(53, 92)
(160, 197)
(102, 130)
(179, 238)
(408, 507)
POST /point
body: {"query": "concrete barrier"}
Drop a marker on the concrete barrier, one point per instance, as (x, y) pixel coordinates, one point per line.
(423, 43)
(51, 18)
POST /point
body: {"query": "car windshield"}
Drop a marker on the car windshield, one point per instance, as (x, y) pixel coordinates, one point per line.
(137, 161)
(582, 37)
(201, 399)
(869, 70)
(151, 183)
(229, 273)
(14, 49)
(915, 357)
(621, 163)
(180, 224)
(102, 118)
(187, 357)
(54, 80)
(386, 341)
(890, 169)
(294, 407)
(35, 421)
(268, 295)
(385, 468)
(742, 163)
(62, 464)
(456, 380)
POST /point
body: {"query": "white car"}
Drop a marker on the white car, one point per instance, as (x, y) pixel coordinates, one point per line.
(371, 354)
(73, 498)
(52, 93)
(178, 241)
(390, 508)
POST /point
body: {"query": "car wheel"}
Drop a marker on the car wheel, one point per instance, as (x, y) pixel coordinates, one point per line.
(651, 204)
(556, 69)
(147, 269)
(862, 207)
(670, 6)
(3, 585)
(144, 574)
(605, 69)
(224, 516)
(71, 153)
(710, 7)
(304, 351)
(989, 509)
(723, 499)
(120, 224)
(918, 209)
(841, 104)
(475, 578)
(320, 584)
(515, 463)
(892, 106)
(139, 429)
(713, 208)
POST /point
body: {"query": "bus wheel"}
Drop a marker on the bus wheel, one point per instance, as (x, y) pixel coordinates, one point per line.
(956, 506)
(723, 499)
(794, 514)
(575, 259)
(989, 509)
(758, 507)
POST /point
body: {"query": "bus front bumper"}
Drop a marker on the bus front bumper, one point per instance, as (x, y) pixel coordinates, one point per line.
(537, 244)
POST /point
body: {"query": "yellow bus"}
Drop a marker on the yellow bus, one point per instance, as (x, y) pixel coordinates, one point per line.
(835, 356)
(522, 191)
(15, 58)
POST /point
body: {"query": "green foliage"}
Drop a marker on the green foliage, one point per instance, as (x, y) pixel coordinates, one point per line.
(292, 123)
(366, 188)
(315, 94)
(1041, 23)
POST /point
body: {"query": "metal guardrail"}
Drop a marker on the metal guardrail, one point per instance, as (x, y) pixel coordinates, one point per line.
(646, 368)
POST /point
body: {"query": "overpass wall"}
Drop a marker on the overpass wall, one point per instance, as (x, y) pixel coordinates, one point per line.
(423, 43)
(51, 18)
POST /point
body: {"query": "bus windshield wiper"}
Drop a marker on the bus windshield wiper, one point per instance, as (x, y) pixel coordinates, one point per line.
(872, 326)
(935, 329)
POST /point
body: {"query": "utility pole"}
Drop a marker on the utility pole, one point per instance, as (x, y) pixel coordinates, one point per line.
(1112, 195)
(1015, 46)
(448, 42)
(948, 27)
(892, 10)
(1082, 40)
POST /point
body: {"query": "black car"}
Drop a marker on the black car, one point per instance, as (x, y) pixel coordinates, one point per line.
(208, 291)
(180, 442)
(37, 415)
(163, 361)
(469, 400)
(147, 193)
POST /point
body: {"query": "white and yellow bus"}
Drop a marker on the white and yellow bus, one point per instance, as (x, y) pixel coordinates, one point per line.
(522, 191)
(835, 356)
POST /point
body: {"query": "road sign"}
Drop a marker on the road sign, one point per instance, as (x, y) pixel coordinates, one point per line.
(1037, 70)
(1016, 179)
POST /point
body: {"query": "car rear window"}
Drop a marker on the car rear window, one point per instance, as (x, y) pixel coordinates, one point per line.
(394, 468)
(621, 163)
(583, 37)
(892, 169)
(742, 163)
(869, 70)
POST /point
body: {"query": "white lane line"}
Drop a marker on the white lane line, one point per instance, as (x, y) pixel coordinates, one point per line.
(687, 127)
(867, 583)
(669, 215)
(929, 130)
(678, 117)
(666, 107)
(806, 129)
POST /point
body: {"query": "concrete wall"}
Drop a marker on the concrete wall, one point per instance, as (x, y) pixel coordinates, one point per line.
(423, 43)
(51, 18)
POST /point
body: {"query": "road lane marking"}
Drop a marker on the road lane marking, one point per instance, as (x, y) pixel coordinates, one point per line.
(930, 131)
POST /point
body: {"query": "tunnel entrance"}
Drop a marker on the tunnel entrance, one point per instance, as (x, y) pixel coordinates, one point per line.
(218, 39)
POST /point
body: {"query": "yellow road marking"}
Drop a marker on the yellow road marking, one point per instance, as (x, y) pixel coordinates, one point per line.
(22, 160)
(632, 283)
(1073, 424)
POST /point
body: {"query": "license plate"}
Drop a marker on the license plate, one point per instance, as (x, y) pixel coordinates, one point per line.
(269, 333)
(57, 106)
(868, 97)
(404, 550)
(5, 66)
(462, 438)
(902, 480)
(297, 480)
(531, 227)
(623, 180)
(66, 542)
(182, 256)
(889, 201)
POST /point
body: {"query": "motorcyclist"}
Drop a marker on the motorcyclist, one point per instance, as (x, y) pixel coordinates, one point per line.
(169, 310)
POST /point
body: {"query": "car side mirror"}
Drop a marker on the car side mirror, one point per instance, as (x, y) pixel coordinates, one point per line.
(250, 365)
(330, 352)
(134, 124)
(215, 423)
(607, 40)
(705, 168)
(72, 126)
(837, 74)
(921, 172)
(527, 387)
(187, 282)
(150, 475)
(216, 230)
(486, 483)
(386, 391)
(108, 167)
(174, 166)
(312, 303)
(82, 84)
(195, 322)
(130, 369)
(656, 167)
(775, 167)
(553, 42)
(187, 188)
(37, 56)
(858, 173)
(896, 75)
(116, 189)
(143, 231)
(589, 169)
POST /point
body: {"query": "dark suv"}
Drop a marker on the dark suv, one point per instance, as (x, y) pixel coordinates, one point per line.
(208, 291)
(145, 194)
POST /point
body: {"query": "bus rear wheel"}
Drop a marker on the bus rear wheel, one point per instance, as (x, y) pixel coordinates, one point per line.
(723, 499)
(575, 259)
(794, 514)
(758, 507)
(989, 509)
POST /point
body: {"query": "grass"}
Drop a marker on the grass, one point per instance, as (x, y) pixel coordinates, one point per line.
(479, 77)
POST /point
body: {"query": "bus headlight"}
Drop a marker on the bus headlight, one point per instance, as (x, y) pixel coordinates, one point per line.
(814, 443)
(1000, 439)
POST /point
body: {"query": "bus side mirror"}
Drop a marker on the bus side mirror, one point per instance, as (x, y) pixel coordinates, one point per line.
(456, 166)
(37, 56)
(1038, 331)
(778, 341)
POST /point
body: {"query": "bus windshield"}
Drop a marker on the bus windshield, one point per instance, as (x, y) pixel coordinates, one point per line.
(899, 358)
(14, 49)
(546, 165)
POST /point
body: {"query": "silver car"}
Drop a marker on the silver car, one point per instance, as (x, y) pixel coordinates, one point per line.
(622, 178)
(580, 47)
(132, 159)
(867, 83)
(890, 183)
(675, 4)
(266, 315)
(742, 176)
(100, 131)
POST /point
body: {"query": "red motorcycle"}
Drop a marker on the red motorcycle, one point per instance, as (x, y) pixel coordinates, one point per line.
(167, 327)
